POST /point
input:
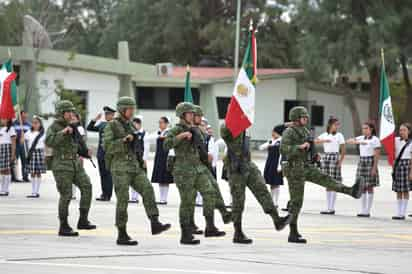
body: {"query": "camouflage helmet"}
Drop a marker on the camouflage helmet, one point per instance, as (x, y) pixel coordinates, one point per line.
(64, 106)
(298, 112)
(125, 102)
(184, 107)
(197, 110)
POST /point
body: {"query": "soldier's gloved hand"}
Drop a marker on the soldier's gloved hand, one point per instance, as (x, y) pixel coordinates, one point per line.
(67, 130)
(304, 146)
(128, 138)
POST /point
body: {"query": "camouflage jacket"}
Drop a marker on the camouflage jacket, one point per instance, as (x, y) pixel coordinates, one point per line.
(120, 156)
(292, 138)
(63, 145)
(187, 155)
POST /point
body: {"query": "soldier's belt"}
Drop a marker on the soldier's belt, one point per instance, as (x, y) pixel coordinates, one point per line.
(68, 157)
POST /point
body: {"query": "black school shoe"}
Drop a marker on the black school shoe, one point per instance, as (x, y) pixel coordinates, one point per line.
(4, 194)
(398, 218)
(33, 196)
(327, 212)
(361, 215)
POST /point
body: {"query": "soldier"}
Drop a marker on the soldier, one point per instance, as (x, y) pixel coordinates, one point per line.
(242, 173)
(190, 175)
(203, 151)
(126, 170)
(298, 167)
(67, 168)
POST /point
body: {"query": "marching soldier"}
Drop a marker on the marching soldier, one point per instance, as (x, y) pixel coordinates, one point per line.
(298, 167)
(190, 175)
(126, 170)
(67, 168)
(244, 173)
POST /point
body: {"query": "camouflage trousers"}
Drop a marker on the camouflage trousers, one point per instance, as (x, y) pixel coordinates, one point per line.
(297, 174)
(139, 182)
(253, 179)
(64, 181)
(188, 183)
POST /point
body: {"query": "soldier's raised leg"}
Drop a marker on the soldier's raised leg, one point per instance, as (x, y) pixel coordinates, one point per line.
(296, 192)
(82, 181)
(64, 187)
(142, 185)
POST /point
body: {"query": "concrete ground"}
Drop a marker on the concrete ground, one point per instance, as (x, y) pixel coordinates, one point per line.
(337, 244)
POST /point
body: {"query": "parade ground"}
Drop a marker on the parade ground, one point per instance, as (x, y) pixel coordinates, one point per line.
(336, 244)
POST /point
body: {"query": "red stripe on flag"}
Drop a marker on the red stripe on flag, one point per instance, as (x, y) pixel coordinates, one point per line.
(236, 120)
(389, 145)
(6, 107)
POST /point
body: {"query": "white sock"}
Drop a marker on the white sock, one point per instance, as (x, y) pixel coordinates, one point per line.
(364, 203)
(199, 199)
(370, 201)
(332, 201)
(3, 183)
(404, 207)
(328, 198)
(7, 183)
(73, 191)
(275, 195)
(135, 195)
(38, 182)
(33, 185)
(164, 191)
(400, 206)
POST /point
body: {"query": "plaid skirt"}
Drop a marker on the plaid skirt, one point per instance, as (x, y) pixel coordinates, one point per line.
(329, 166)
(363, 173)
(5, 157)
(401, 182)
(37, 163)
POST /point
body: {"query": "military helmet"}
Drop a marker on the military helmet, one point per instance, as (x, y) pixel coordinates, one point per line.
(125, 102)
(184, 107)
(197, 110)
(298, 112)
(64, 106)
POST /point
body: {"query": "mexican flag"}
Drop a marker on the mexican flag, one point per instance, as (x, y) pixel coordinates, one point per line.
(241, 111)
(387, 122)
(188, 91)
(8, 91)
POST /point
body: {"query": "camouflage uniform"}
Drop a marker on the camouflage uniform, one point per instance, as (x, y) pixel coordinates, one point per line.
(298, 168)
(122, 161)
(244, 173)
(67, 170)
(190, 175)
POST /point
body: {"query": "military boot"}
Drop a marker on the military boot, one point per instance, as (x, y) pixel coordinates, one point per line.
(211, 230)
(356, 190)
(195, 228)
(239, 237)
(280, 222)
(84, 222)
(158, 227)
(123, 238)
(65, 230)
(226, 216)
(187, 237)
(294, 236)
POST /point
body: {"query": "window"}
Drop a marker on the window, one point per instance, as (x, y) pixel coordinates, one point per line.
(317, 116)
(222, 103)
(288, 105)
(162, 97)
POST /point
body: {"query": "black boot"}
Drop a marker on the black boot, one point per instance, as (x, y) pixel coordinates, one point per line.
(226, 216)
(356, 190)
(294, 236)
(123, 238)
(187, 237)
(65, 230)
(280, 222)
(211, 230)
(239, 237)
(84, 221)
(195, 228)
(158, 227)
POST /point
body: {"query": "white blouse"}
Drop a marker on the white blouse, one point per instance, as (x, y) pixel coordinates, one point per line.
(30, 136)
(5, 136)
(336, 140)
(368, 146)
(399, 144)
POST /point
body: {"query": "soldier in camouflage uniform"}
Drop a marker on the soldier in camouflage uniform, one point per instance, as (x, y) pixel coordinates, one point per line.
(67, 168)
(242, 173)
(203, 152)
(296, 150)
(122, 161)
(190, 175)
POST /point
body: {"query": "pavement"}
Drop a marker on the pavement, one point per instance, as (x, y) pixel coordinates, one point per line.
(336, 244)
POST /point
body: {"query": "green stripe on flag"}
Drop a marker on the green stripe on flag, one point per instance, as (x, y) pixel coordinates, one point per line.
(384, 88)
(188, 91)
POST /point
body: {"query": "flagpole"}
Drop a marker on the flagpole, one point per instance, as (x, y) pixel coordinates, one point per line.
(236, 62)
(383, 56)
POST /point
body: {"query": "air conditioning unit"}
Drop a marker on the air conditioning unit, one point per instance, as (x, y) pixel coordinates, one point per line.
(164, 69)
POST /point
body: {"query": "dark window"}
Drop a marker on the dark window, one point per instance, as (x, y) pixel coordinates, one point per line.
(289, 104)
(222, 103)
(162, 98)
(317, 116)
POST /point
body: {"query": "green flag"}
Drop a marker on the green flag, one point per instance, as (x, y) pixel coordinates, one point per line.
(9, 67)
(188, 90)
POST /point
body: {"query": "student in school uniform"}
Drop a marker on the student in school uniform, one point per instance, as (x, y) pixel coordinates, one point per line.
(36, 165)
(331, 163)
(142, 151)
(7, 154)
(273, 171)
(160, 174)
(402, 170)
(367, 171)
